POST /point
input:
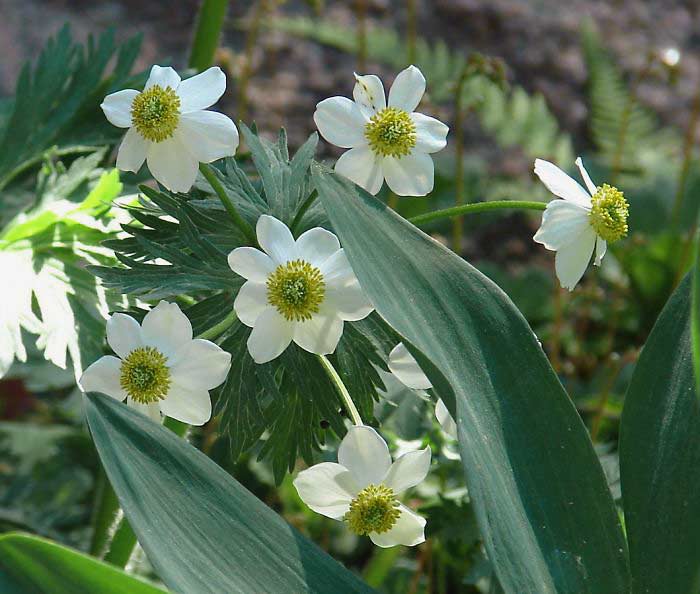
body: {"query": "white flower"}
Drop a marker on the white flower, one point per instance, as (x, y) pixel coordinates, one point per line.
(362, 488)
(299, 290)
(581, 222)
(170, 127)
(386, 142)
(406, 369)
(159, 368)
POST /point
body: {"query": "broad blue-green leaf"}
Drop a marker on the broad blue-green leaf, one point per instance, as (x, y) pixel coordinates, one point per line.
(31, 565)
(660, 458)
(541, 499)
(203, 532)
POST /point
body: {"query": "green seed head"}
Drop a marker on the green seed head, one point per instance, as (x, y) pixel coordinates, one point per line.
(374, 509)
(156, 112)
(609, 213)
(391, 133)
(296, 289)
(145, 375)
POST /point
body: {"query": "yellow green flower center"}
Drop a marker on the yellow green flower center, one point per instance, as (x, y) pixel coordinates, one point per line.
(145, 376)
(296, 289)
(156, 112)
(374, 509)
(391, 133)
(609, 211)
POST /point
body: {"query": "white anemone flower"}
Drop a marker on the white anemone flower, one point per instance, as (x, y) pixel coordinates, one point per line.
(582, 222)
(391, 142)
(159, 367)
(301, 291)
(169, 126)
(362, 489)
(406, 369)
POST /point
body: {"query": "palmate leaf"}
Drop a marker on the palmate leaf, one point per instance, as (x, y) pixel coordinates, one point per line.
(541, 499)
(660, 457)
(203, 531)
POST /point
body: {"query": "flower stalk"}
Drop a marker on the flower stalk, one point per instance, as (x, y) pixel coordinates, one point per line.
(467, 209)
(342, 390)
(210, 21)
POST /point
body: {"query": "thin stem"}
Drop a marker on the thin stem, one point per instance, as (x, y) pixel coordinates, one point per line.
(467, 209)
(458, 223)
(361, 14)
(311, 198)
(219, 328)
(247, 68)
(688, 143)
(411, 30)
(210, 21)
(208, 173)
(342, 390)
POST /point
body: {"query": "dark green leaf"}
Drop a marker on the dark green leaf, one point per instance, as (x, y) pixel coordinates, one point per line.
(540, 495)
(202, 531)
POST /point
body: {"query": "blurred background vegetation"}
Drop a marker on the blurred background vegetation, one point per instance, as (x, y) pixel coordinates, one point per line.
(616, 82)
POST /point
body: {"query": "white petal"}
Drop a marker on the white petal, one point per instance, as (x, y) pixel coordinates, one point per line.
(132, 151)
(411, 175)
(407, 90)
(103, 376)
(250, 302)
(152, 411)
(349, 301)
(562, 223)
(408, 470)
(251, 264)
(200, 364)
(270, 336)
(586, 178)
(572, 259)
(186, 405)
(317, 245)
(276, 239)
(445, 419)
(172, 164)
(208, 135)
(337, 271)
(561, 184)
(166, 328)
(361, 165)
(164, 77)
(406, 369)
(202, 90)
(365, 454)
(320, 334)
(340, 122)
(601, 246)
(117, 107)
(368, 93)
(327, 488)
(123, 334)
(431, 134)
(408, 531)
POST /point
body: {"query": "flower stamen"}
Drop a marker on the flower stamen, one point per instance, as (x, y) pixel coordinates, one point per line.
(156, 112)
(145, 376)
(296, 289)
(609, 212)
(374, 509)
(391, 133)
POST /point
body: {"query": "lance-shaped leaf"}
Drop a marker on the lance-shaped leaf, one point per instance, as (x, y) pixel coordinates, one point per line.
(203, 531)
(660, 457)
(31, 565)
(542, 503)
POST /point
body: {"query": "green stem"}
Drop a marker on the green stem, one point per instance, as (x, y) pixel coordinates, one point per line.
(219, 328)
(688, 143)
(208, 173)
(210, 21)
(247, 68)
(342, 390)
(695, 317)
(467, 209)
(302, 211)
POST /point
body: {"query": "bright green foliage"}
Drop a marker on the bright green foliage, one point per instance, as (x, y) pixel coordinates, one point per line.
(541, 499)
(31, 565)
(512, 116)
(56, 103)
(203, 532)
(660, 457)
